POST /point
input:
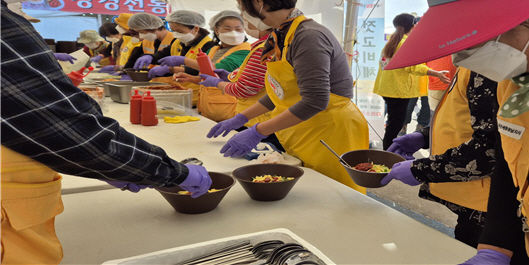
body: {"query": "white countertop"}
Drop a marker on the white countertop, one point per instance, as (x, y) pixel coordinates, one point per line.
(348, 227)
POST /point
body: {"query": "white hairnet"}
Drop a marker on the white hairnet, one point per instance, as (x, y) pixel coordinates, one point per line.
(144, 21)
(221, 15)
(186, 17)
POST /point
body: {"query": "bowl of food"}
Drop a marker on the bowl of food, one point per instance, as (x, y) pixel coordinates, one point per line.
(138, 75)
(369, 167)
(182, 202)
(268, 182)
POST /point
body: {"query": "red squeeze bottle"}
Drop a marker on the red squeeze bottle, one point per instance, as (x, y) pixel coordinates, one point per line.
(135, 108)
(205, 64)
(148, 110)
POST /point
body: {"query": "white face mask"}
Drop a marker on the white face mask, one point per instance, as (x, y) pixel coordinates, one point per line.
(494, 60)
(134, 40)
(184, 37)
(256, 22)
(92, 45)
(120, 29)
(148, 36)
(252, 32)
(232, 37)
(112, 39)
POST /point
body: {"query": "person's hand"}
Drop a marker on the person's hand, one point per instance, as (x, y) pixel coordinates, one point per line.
(158, 71)
(107, 69)
(223, 74)
(65, 57)
(185, 77)
(225, 127)
(407, 145)
(242, 143)
(488, 257)
(143, 62)
(197, 182)
(96, 59)
(402, 172)
(125, 78)
(133, 187)
(172, 60)
(210, 81)
(443, 76)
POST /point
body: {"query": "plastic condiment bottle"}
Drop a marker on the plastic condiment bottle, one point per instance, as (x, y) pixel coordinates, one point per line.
(148, 110)
(135, 108)
(78, 76)
(205, 64)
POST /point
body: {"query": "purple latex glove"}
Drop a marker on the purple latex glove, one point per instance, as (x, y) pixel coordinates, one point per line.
(227, 126)
(125, 78)
(402, 172)
(210, 81)
(159, 71)
(96, 59)
(407, 145)
(108, 69)
(223, 74)
(488, 257)
(242, 143)
(143, 62)
(133, 187)
(197, 182)
(64, 57)
(172, 60)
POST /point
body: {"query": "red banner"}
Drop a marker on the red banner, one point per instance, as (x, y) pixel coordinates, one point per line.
(108, 7)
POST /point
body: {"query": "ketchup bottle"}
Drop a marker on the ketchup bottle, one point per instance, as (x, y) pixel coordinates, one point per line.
(78, 76)
(135, 108)
(148, 110)
(205, 64)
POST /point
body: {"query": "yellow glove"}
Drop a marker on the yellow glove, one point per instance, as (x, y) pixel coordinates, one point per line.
(180, 119)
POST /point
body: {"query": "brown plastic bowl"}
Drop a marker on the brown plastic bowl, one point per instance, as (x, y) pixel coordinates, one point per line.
(267, 191)
(137, 76)
(203, 204)
(369, 179)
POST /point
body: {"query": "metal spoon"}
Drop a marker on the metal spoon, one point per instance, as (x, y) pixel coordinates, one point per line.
(330, 149)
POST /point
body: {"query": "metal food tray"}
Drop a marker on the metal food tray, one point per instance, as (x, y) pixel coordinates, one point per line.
(120, 90)
(180, 254)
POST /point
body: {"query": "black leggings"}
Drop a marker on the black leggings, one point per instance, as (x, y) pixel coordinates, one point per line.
(396, 109)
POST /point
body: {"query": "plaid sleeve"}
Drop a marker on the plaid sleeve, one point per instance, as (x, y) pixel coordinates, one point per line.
(48, 119)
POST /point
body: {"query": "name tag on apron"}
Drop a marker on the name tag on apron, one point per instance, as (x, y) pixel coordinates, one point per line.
(510, 129)
(278, 90)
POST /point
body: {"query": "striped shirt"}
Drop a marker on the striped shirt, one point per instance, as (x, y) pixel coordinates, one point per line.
(45, 117)
(251, 81)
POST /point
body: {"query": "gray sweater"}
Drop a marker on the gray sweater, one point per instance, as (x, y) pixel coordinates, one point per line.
(320, 65)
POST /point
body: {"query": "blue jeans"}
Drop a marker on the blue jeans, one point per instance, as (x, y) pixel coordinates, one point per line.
(423, 118)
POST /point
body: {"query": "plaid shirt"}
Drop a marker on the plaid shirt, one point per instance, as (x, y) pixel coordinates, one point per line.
(47, 118)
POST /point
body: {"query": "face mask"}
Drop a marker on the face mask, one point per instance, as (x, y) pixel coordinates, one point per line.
(258, 23)
(134, 40)
(120, 29)
(232, 37)
(494, 60)
(112, 39)
(184, 37)
(92, 45)
(252, 32)
(148, 36)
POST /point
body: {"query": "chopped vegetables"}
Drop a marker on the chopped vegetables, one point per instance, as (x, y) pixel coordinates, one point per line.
(370, 167)
(185, 192)
(270, 179)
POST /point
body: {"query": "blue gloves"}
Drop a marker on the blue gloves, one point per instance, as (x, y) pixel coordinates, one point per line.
(223, 74)
(64, 57)
(96, 59)
(242, 143)
(488, 257)
(210, 81)
(143, 62)
(107, 69)
(402, 172)
(227, 126)
(197, 182)
(407, 145)
(172, 60)
(159, 71)
(126, 185)
(125, 78)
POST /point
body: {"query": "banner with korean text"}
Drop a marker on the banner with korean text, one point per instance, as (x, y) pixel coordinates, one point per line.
(108, 7)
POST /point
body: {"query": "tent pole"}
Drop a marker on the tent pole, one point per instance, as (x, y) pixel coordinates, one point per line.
(351, 20)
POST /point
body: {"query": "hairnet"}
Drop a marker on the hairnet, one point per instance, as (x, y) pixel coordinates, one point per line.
(187, 17)
(87, 36)
(123, 19)
(221, 15)
(144, 21)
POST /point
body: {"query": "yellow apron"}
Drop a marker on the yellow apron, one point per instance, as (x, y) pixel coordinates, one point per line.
(105, 61)
(244, 103)
(212, 102)
(176, 50)
(515, 144)
(31, 198)
(126, 50)
(148, 46)
(450, 128)
(341, 124)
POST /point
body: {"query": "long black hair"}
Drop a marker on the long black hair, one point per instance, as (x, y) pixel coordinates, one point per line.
(403, 23)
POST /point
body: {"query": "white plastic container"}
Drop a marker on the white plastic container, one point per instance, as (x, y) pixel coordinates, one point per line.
(170, 103)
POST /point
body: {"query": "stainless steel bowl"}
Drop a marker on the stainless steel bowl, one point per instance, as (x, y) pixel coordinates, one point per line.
(120, 90)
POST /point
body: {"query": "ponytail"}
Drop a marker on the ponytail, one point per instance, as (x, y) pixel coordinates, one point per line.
(391, 47)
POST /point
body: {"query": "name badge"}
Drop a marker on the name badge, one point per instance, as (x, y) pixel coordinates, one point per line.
(278, 90)
(510, 129)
